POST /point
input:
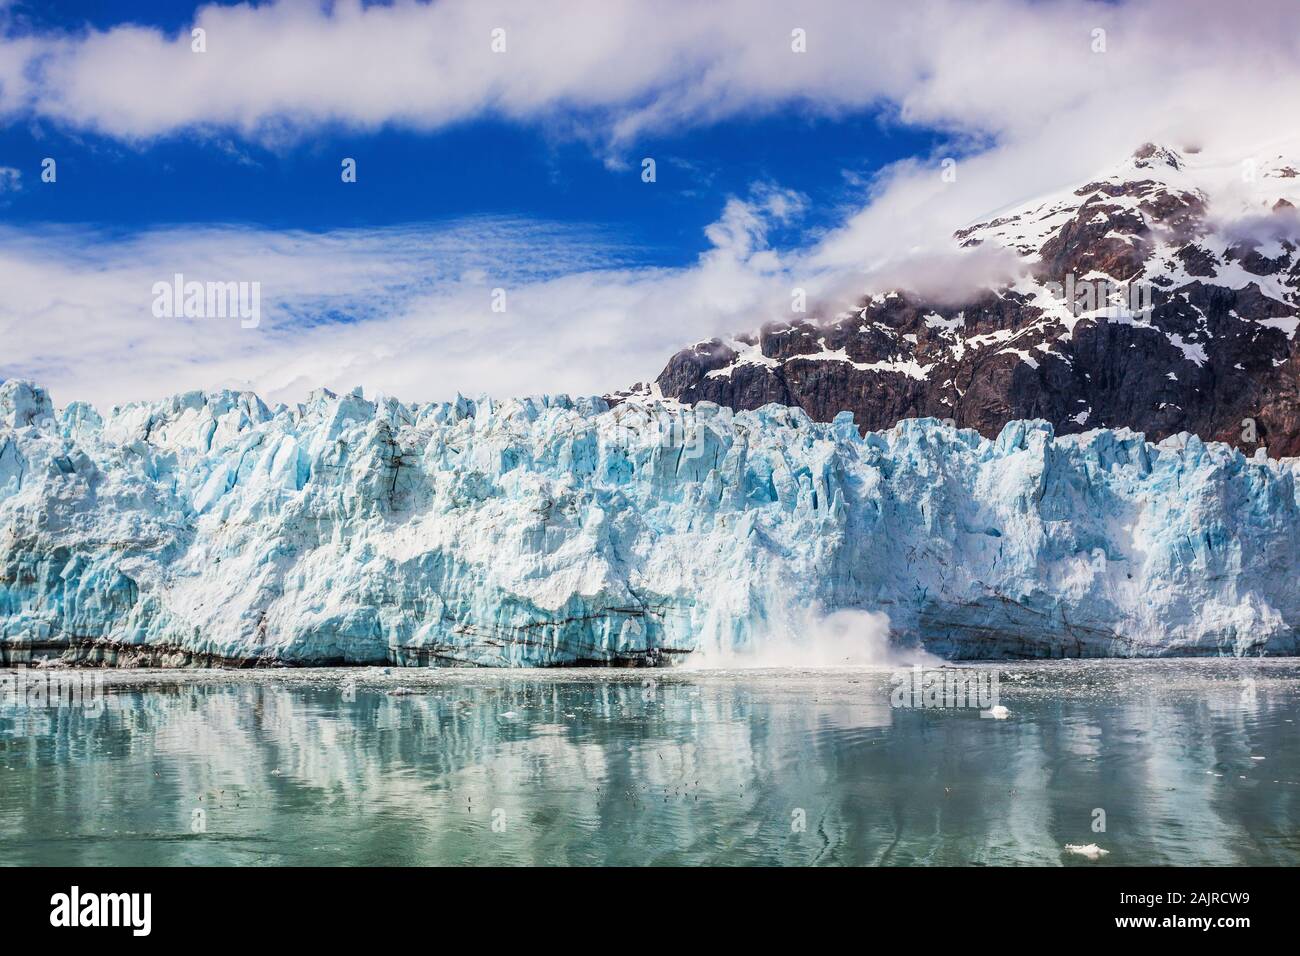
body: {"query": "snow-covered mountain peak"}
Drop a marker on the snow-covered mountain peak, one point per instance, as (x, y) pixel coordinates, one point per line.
(1151, 213)
(1161, 294)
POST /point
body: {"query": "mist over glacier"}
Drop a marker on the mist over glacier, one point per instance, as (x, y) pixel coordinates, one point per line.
(549, 531)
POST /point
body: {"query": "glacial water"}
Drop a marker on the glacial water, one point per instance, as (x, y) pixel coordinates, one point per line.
(1190, 762)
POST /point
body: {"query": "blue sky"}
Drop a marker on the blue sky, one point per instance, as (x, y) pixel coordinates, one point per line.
(479, 167)
(797, 146)
(476, 168)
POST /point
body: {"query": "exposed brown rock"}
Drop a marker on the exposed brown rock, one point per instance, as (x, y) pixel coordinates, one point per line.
(1218, 361)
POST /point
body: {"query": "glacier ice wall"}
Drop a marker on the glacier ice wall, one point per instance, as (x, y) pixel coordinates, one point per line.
(209, 527)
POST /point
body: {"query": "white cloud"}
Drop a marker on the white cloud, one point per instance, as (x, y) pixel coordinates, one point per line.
(407, 311)
(10, 179)
(1027, 104)
(1001, 68)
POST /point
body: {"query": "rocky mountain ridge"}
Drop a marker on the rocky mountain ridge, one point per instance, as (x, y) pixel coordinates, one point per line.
(1162, 296)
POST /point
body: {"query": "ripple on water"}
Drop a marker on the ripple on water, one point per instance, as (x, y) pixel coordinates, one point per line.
(1188, 761)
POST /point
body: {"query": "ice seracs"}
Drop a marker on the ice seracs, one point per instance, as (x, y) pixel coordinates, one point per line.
(210, 527)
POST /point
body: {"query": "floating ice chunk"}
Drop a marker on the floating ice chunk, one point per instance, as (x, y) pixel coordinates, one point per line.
(1090, 850)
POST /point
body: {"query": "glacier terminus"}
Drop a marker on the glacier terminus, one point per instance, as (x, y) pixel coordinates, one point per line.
(209, 528)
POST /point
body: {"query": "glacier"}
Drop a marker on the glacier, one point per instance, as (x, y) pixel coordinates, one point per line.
(210, 528)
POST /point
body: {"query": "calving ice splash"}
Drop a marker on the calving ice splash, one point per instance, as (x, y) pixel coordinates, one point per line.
(210, 527)
(805, 637)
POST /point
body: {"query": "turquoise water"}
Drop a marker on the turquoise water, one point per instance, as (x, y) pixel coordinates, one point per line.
(657, 767)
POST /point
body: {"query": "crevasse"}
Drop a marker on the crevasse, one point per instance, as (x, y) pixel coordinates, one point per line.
(546, 531)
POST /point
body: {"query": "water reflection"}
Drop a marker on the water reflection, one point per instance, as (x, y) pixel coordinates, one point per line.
(457, 767)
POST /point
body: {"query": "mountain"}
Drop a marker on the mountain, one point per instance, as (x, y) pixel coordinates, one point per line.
(210, 528)
(1202, 338)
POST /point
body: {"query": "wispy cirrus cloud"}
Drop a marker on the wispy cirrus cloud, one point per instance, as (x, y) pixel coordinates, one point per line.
(406, 310)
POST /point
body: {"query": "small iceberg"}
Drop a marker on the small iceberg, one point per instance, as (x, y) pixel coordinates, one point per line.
(1091, 850)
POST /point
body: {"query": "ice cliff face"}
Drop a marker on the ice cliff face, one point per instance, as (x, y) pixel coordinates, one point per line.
(210, 527)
